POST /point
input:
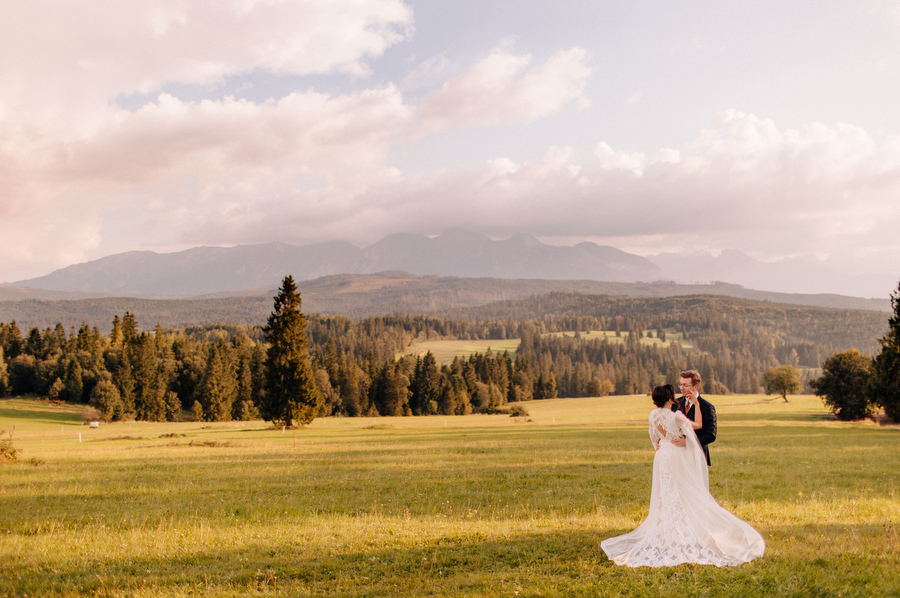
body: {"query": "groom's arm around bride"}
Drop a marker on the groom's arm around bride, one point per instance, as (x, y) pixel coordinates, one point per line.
(691, 399)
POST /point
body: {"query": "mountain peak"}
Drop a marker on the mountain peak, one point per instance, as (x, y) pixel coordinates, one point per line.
(459, 235)
(523, 240)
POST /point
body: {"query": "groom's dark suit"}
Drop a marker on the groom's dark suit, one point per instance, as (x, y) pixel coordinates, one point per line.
(707, 433)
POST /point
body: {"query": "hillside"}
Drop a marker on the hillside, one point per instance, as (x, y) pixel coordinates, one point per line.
(358, 296)
(623, 345)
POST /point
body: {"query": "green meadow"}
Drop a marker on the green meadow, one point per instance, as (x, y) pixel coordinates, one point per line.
(478, 505)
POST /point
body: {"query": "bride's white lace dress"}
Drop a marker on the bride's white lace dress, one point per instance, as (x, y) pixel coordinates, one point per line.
(685, 523)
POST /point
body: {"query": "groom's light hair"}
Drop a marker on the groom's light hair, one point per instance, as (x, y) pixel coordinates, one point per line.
(694, 375)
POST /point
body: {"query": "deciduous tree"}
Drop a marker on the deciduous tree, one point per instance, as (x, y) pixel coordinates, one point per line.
(886, 367)
(782, 380)
(106, 400)
(844, 384)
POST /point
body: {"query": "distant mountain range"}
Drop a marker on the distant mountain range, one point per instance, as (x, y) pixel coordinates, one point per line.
(204, 270)
(457, 253)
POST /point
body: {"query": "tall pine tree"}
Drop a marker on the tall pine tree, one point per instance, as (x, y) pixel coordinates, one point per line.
(291, 395)
(426, 386)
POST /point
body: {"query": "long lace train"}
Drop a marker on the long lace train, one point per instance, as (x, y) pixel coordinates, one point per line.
(685, 523)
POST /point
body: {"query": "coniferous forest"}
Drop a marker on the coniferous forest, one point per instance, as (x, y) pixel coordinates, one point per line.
(217, 372)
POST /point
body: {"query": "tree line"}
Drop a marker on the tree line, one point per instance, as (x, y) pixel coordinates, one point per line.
(222, 372)
(853, 384)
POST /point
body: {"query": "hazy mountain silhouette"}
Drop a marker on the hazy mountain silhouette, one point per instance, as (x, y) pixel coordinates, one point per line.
(204, 270)
(460, 253)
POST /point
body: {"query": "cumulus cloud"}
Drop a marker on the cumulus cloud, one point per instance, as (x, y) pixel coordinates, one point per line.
(301, 131)
(66, 59)
(78, 169)
(501, 89)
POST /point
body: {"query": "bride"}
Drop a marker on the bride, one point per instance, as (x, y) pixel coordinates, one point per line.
(685, 523)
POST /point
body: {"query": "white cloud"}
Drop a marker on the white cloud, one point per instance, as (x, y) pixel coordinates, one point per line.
(64, 64)
(64, 69)
(433, 71)
(77, 171)
(611, 159)
(301, 132)
(501, 90)
(743, 183)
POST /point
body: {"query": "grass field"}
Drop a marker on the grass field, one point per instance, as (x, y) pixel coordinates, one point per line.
(445, 350)
(672, 337)
(446, 506)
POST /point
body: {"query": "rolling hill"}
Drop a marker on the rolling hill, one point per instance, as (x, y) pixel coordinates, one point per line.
(358, 296)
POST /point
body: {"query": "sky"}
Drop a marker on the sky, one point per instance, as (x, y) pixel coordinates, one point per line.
(689, 127)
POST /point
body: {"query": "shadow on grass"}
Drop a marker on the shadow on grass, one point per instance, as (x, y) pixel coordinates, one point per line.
(42, 416)
(554, 563)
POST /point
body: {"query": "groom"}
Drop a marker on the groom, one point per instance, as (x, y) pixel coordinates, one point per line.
(690, 389)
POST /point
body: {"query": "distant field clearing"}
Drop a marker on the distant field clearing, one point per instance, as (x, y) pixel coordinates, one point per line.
(445, 350)
(648, 337)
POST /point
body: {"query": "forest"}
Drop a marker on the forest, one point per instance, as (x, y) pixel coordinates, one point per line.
(216, 372)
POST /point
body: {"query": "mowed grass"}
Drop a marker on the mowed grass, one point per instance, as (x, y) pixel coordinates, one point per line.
(446, 506)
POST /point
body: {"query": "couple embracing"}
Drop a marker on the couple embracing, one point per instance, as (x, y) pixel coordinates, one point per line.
(685, 523)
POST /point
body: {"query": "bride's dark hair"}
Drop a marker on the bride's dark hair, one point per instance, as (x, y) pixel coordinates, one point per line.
(662, 394)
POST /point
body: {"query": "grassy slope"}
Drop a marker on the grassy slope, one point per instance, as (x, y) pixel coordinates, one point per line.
(458, 506)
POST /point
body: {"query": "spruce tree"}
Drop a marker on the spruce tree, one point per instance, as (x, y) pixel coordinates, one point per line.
(150, 385)
(4, 377)
(291, 395)
(13, 341)
(129, 327)
(425, 386)
(243, 404)
(218, 387)
(886, 367)
(116, 336)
